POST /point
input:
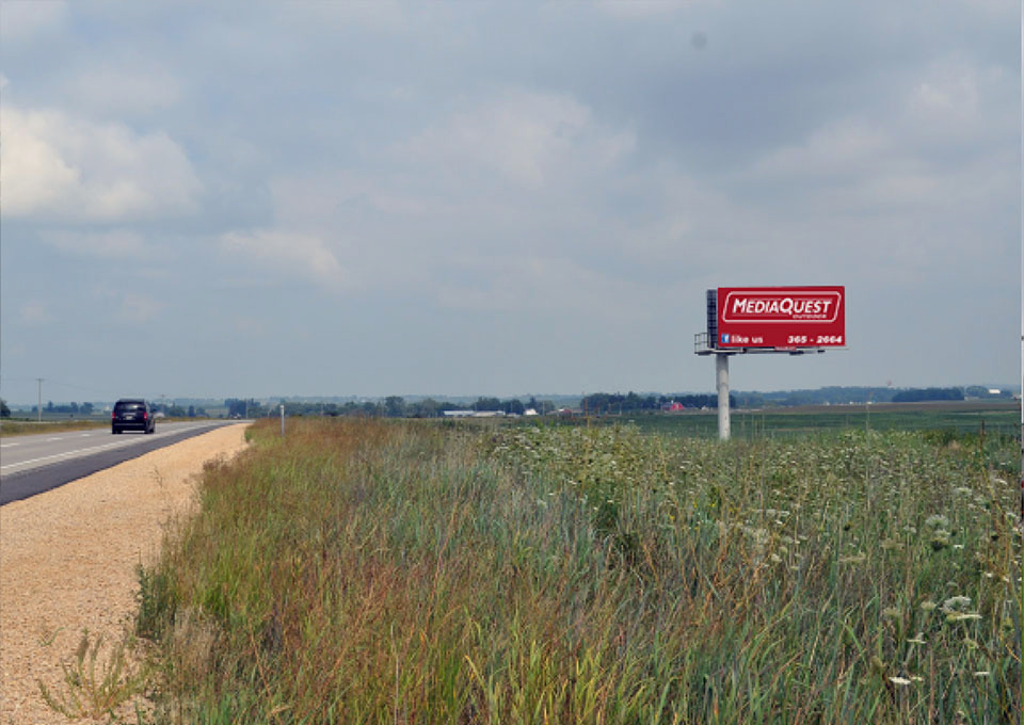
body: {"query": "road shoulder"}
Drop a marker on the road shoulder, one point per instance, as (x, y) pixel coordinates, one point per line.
(68, 559)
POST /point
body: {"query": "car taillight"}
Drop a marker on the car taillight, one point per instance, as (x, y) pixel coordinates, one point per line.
(113, 416)
(145, 415)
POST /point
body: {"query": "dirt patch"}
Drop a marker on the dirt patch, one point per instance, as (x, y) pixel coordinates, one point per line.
(68, 559)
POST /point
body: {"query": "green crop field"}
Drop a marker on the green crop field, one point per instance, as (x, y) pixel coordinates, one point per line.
(362, 571)
(951, 419)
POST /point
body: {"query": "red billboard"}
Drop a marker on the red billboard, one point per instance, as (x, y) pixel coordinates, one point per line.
(781, 317)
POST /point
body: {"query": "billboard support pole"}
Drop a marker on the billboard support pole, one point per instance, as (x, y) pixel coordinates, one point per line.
(722, 375)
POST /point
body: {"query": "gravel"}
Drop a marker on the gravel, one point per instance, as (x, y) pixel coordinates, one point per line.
(68, 560)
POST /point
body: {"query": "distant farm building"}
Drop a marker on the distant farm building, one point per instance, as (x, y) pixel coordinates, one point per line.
(474, 414)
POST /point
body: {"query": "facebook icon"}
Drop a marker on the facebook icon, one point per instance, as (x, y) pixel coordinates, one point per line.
(725, 338)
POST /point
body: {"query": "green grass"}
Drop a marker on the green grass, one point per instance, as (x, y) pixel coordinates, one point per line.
(22, 427)
(367, 572)
(10, 428)
(953, 418)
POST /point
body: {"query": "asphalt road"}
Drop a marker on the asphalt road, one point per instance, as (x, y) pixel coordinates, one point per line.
(33, 464)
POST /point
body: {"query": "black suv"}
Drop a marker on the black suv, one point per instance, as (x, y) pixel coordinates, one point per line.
(132, 414)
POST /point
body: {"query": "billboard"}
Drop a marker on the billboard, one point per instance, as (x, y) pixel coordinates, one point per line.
(780, 317)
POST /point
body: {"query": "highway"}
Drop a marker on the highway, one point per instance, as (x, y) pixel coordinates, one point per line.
(31, 464)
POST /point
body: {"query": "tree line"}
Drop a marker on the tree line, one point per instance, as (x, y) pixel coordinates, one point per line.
(610, 403)
(393, 406)
(918, 395)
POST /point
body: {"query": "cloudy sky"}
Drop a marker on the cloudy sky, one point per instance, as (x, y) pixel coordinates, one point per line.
(372, 198)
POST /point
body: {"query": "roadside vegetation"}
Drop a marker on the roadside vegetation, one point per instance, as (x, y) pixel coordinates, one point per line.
(31, 427)
(364, 571)
(27, 427)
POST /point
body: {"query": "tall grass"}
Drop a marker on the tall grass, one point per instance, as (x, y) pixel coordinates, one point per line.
(365, 572)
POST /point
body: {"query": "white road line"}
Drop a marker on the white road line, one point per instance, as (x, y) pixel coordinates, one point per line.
(58, 438)
(67, 454)
(60, 455)
(8, 445)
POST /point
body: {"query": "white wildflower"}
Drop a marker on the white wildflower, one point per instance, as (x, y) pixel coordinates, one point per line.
(956, 604)
(962, 616)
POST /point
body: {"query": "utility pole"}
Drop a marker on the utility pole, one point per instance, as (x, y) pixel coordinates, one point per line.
(39, 406)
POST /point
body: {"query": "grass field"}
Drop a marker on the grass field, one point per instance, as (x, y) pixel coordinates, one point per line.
(385, 572)
(31, 427)
(19, 427)
(954, 418)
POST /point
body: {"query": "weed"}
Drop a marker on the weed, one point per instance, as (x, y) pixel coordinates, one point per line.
(94, 687)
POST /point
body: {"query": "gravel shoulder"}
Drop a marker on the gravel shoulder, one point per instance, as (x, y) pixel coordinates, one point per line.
(68, 558)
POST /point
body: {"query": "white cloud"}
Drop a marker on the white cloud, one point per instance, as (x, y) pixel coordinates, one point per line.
(546, 285)
(124, 89)
(55, 167)
(841, 149)
(295, 252)
(956, 104)
(115, 244)
(138, 309)
(528, 137)
(130, 308)
(249, 327)
(641, 9)
(34, 313)
(22, 21)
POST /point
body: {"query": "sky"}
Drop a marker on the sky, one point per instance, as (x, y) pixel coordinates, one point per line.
(493, 198)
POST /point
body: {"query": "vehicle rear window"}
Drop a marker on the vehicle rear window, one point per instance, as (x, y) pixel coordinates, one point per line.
(128, 406)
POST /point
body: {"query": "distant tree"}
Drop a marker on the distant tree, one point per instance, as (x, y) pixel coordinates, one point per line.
(49, 406)
(514, 407)
(5, 412)
(394, 406)
(370, 409)
(191, 411)
(86, 409)
(238, 407)
(426, 408)
(488, 404)
(916, 395)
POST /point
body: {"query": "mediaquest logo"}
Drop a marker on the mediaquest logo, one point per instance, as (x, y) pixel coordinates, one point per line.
(781, 306)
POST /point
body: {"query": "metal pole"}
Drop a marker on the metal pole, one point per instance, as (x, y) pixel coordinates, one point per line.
(722, 374)
(39, 406)
(282, 420)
